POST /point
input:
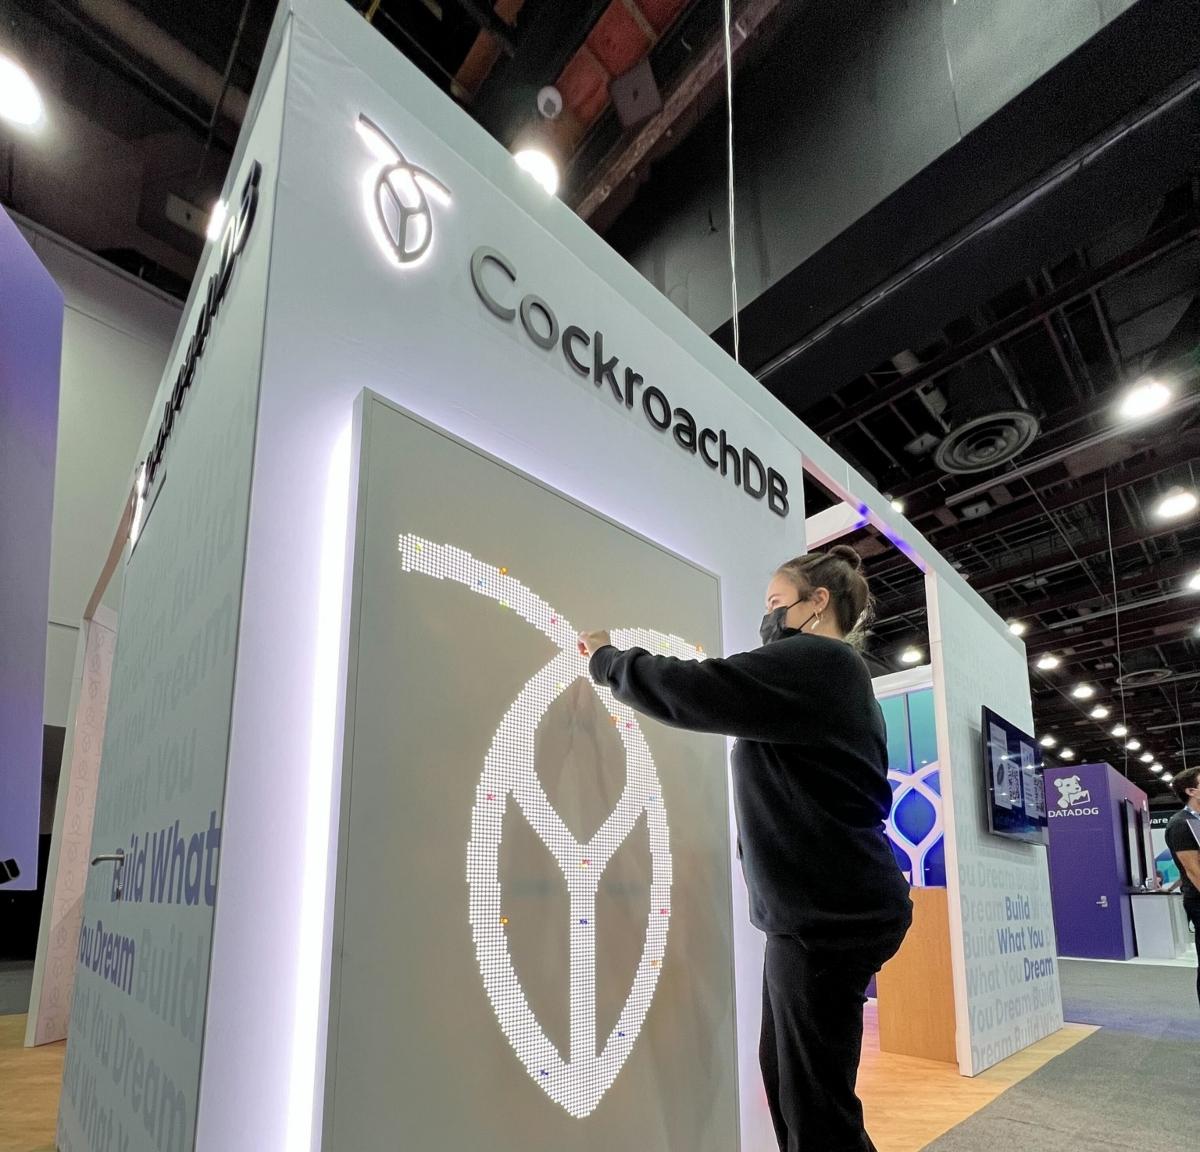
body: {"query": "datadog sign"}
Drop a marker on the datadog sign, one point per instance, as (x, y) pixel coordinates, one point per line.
(1073, 799)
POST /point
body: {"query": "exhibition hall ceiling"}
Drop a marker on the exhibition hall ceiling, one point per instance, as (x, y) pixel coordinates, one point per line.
(998, 433)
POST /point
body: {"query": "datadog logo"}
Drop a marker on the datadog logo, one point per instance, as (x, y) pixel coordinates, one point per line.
(396, 198)
(579, 1082)
(1071, 792)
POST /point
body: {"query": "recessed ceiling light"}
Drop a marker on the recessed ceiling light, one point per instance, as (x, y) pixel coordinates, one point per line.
(1194, 583)
(1099, 712)
(540, 165)
(1018, 627)
(1133, 745)
(20, 101)
(1176, 503)
(898, 505)
(1147, 757)
(1143, 399)
(911, 656)
(1156, 767)
(1048, 741)
(1047, 662)
(1120, 730)
(1167, 777)
(1067, 754)
(1083, 691)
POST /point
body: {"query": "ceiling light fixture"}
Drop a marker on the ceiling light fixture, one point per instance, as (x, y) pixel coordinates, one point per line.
(1144, 398)
(898, 506)
(1194, 583)
(1047, 741)
(1067, 754)
(1099, 712)
(1178, 502)
(1134, 745)
(1047, 662)
(1147, 757)
(1018, 627)
(1120, 730)
(20, 101)
(911, 656)
(1083, 691)
(1156, 767)
(540, 165)
(1167, 777)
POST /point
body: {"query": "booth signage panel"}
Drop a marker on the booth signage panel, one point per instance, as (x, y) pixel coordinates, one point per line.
(535, 941)
(1007, 991)
(138, 1013)
(344, 315)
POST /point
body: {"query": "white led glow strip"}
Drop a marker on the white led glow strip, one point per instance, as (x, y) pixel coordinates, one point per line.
(579, 1082)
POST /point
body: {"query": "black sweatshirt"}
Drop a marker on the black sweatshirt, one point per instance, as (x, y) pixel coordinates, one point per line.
(809, 774)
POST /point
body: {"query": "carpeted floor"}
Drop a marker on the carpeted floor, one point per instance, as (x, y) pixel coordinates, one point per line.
(1114, 1090)
(1132, 1085)
(1156, 1002)
(16, 978)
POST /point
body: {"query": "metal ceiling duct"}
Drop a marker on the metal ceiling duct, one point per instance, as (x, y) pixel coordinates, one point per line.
(987, 428)
(125, 23)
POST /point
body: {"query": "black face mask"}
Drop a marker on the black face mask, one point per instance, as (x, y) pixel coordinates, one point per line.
(773, 628)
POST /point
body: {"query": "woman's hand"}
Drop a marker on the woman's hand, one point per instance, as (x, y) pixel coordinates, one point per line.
(591, 642)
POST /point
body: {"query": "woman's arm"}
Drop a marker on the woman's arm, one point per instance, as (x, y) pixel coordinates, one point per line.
(772, 694)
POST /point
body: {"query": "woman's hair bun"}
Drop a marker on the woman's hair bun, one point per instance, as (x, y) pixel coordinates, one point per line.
(848, 554)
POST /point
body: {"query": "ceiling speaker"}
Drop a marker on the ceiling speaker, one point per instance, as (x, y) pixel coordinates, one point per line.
(635, 95)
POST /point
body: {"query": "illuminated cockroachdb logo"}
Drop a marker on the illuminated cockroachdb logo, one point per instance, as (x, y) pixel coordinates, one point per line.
(579, 1082)
(396, 198)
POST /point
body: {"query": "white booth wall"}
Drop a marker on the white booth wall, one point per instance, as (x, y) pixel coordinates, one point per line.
(340, 317)
(117, 333)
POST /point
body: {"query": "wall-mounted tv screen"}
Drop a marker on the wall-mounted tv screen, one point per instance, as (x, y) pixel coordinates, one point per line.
(1135, 849)
(1015, 791)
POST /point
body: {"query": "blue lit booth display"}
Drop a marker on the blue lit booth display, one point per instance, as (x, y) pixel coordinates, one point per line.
(915, 825)
(915, 990)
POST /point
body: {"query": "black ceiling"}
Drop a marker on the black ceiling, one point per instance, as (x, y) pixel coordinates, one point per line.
(1048, 313)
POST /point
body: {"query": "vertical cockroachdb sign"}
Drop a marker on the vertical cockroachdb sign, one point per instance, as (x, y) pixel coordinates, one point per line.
(138, 1014)
(533, 885)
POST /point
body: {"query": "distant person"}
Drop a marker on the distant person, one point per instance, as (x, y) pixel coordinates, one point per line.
(1183, 839)
(811, 795)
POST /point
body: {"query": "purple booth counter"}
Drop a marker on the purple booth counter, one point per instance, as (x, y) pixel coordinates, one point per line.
(1097, 820)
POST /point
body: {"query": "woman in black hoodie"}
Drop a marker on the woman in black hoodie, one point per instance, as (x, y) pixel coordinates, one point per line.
(811, 795)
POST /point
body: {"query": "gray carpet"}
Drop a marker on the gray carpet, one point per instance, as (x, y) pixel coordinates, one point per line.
(1114, 1090)
(1153, 1001)
(1130, 1086)
(16, 979)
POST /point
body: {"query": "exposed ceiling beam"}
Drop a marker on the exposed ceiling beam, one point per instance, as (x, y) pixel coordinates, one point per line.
(1152, 248)
(1084, 592)
(550, 34)
(1081, 593)
(487, 19)
(628, 154)
(1065, 557)
(1176, 451)
(1140, 628)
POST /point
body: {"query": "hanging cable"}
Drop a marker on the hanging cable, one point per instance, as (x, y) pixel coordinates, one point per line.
(1112, 564)
(1182, 736)
(737, 342)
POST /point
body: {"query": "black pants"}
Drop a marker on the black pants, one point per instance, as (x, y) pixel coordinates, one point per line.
(812, 1040)
(1192, 908)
